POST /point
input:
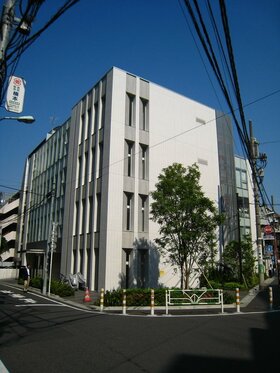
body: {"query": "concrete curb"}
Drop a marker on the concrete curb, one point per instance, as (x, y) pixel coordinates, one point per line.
(245, 301)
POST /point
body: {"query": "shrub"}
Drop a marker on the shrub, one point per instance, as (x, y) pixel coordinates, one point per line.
(134, 297)
(142, 297)
(57, 287)
(229, 298)
(61, 289)
(215, 285)
(36, 282)
(233, 286)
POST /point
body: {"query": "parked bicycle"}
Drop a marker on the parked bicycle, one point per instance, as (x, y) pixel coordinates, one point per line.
(76, 281)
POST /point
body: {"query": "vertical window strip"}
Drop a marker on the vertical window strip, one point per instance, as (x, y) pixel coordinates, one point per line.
(82, 129)
(130, 109)
(144, 114)
(103, 105)
(143, 214)
(129, 158)
(143, 169)
(95, 117)
(100, 159)
(128, 211)
(89, 123)
(98, 212)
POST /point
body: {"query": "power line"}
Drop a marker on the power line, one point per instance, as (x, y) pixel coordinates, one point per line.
(15, 44)
(159, 143)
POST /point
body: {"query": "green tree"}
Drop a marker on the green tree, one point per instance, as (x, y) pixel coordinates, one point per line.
(187, 219)
(231, 257)
(4, 245)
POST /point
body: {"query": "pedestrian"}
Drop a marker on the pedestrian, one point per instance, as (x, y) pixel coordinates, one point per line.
(26, 277)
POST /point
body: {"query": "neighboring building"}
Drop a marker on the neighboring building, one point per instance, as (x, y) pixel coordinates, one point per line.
(4, 197)
(103, 163)
(245, 199)
(8, 225)
(271, 237)
(246, 213)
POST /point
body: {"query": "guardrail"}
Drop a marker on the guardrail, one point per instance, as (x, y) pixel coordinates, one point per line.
(7, 264)
(8, 273)
(194, 297)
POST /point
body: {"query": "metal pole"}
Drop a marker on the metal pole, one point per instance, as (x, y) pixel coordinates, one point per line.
(270, 298)
(6, 25)
(222, 300)
(51, 255)
(124, 302)
(254, 155)
(275, 249)
(166, 302)
(239, 241)
(152, 302)
(237, 300)
(0, 238)
(46, 264)
(101, 299)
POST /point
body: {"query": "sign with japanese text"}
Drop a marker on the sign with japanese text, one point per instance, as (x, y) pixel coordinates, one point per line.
(268, 229)
(15, 94)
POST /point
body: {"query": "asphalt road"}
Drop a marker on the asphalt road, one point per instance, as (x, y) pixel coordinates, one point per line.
(40, 335)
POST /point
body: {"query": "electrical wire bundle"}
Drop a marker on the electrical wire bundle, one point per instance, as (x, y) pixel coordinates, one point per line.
(20, 37)
(226, 74)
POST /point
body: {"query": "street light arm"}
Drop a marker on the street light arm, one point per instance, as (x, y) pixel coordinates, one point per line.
(23, 119)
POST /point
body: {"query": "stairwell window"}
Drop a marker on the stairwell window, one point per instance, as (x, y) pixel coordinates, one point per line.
(95, 126)
(128, 211)
(129, 157)
(143, 213)
(143, 112)
(143, 167)
(103, 105)
(130, 110)
(100, 169)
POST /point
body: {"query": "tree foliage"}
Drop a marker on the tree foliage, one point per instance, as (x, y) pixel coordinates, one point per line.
(187, 219)
(235, 251)
(4, 245)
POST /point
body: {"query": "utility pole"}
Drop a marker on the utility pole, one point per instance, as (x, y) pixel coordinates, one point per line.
(275, 247)
(7, 19)
(239, 241)
(52, 248)
(254, 153)
(49, 241)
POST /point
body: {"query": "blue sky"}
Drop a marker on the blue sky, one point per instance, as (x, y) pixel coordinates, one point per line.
(149, 38)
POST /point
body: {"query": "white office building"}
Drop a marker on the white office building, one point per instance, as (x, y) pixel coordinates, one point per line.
(103, 162)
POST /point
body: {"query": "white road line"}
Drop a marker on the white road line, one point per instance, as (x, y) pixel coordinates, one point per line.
(18, 296)
(51, 300)
(29, 300)
(38, 305)
(3, 369)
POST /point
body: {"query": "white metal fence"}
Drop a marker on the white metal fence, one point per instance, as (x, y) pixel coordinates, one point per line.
(194, 297)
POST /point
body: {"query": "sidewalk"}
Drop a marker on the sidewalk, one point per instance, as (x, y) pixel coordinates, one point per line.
(255, 301)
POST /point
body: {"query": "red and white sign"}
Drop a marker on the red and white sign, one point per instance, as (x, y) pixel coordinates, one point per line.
(268, 229)
(15, 94)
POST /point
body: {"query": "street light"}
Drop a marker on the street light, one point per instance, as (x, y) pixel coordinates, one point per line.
(23, 119)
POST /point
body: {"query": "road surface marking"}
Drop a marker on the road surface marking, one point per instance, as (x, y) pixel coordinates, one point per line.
(38, 305)
(3, 369)
(29, 300)
(18, 296)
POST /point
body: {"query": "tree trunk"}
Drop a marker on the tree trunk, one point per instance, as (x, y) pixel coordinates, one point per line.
(182, 277)
(187, 278)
